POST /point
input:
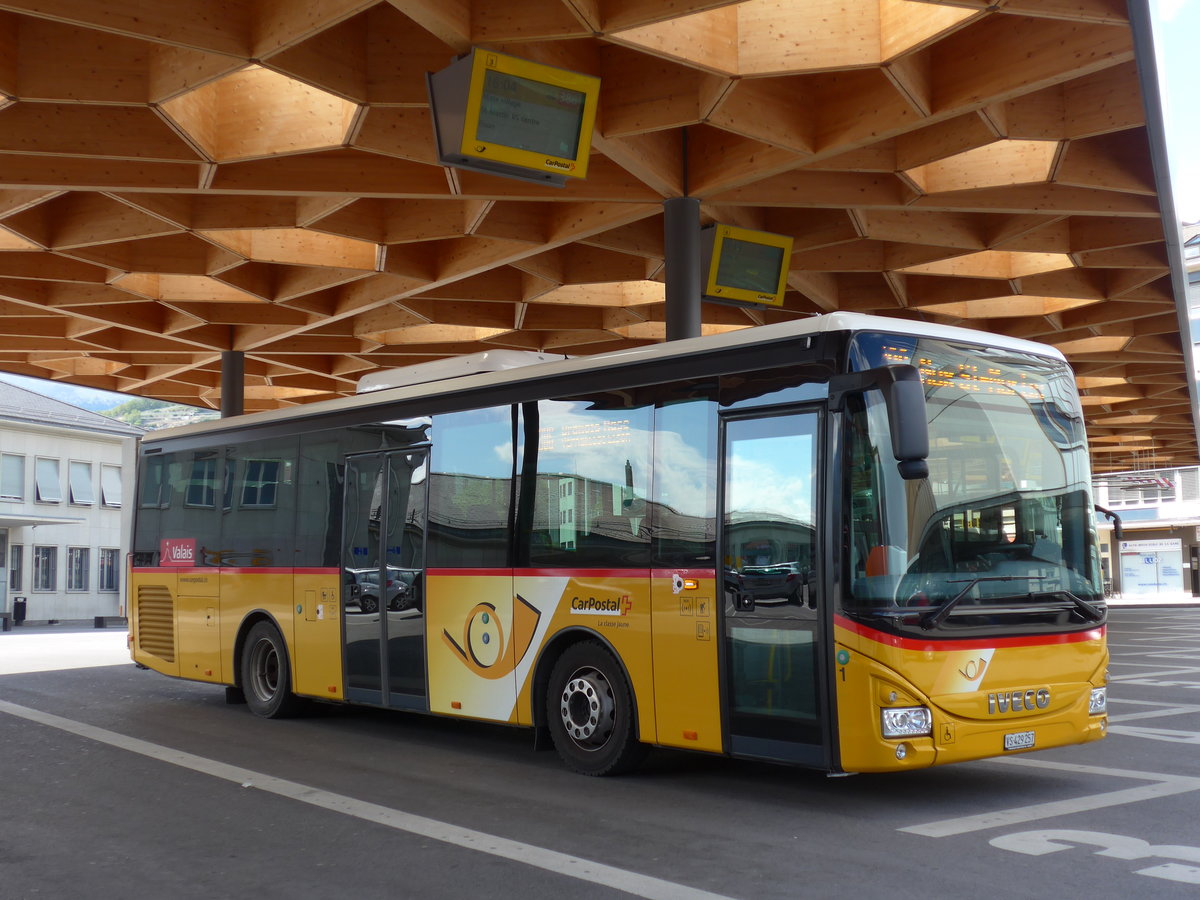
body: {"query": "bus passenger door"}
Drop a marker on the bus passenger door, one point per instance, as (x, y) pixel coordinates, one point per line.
(383, 577)
(770, 509)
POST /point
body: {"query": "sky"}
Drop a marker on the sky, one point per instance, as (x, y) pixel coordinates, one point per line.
(1177, 35)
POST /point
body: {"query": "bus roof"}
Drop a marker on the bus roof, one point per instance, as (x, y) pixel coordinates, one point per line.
(417, 386)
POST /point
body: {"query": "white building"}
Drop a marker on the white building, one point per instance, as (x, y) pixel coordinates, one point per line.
(65, 508)
(1158, 558)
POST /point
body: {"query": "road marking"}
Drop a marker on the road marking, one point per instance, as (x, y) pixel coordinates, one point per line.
(1157, 734)
(515, 851)
(1117, 846)
(1164, 710)
(1162, 785)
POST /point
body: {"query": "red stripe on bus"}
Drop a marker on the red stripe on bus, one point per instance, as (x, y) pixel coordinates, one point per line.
(240, 570)
(171, 570)
(1033, 640)
(542, 573)
(684, 572)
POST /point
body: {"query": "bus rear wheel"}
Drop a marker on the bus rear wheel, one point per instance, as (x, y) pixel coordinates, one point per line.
(266, 675)
(589, 709)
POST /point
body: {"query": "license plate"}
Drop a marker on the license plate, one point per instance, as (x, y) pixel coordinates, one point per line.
(1018, 740)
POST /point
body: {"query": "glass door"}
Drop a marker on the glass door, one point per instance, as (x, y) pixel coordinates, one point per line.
(770, 545)
(383, 578)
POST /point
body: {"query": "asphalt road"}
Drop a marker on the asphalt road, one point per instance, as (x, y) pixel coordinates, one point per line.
(116, 782)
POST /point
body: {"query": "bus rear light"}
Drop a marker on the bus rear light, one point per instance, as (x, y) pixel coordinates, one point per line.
(1098, 703)
(907, 721)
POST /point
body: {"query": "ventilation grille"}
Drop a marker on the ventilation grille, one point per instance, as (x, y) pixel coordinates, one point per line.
(156, 621)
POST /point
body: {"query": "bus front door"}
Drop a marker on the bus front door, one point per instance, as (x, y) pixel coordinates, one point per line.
(383, 576)
(769, 543)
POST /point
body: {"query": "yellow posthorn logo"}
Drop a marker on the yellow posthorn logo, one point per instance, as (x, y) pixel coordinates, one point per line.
(485, 649)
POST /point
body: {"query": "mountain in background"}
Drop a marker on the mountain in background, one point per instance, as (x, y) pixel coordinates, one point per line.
(155, 414)
(85, 398)
(150, 414)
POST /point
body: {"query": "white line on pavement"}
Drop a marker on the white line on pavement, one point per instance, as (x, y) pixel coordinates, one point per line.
(550, 860)
(1162, 786)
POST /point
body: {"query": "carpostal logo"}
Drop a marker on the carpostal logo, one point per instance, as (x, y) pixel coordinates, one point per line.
(607, 606)
(559, 164)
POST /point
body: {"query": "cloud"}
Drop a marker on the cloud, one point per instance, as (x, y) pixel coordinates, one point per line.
(1169, 9)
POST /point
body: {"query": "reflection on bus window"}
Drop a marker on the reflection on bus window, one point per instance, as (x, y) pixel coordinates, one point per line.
(1004, 512)
(593, 468)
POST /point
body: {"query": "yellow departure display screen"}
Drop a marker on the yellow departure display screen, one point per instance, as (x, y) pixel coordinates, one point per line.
(749, 267)
(530, 115)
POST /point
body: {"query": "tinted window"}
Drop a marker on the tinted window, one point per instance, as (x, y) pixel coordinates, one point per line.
(258, 506)
(176, 502)
(470, 492)
(685, 467)
(592, 480)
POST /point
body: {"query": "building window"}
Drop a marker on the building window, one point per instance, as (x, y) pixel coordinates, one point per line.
(108, 575)
(45, 568)
(201, 487)
(110, 485)
(49, 486)
(16, 567)
(78, 563)
(82, 492)
(12, 476)
(262, 478)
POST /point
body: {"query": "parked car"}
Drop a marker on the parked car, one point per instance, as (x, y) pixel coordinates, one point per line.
(398, 591)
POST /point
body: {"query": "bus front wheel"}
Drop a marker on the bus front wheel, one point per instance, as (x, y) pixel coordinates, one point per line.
(589, 709)
(266, 675)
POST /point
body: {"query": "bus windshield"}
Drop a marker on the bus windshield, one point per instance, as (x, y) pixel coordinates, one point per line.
(1000, 535)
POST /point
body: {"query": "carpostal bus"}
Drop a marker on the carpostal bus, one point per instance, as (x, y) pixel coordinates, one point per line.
(850, 543)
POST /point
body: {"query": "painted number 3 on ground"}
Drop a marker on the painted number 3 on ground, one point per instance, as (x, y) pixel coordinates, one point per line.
(1117, 846)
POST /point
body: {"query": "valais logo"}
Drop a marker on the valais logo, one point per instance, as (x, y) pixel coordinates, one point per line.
(177, 552)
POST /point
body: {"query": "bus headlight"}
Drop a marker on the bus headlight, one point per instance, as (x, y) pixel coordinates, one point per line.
(907, 721)
(1098, 704)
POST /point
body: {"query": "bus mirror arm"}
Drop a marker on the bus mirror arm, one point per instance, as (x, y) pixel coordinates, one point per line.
(904, 397)
(1118, 533)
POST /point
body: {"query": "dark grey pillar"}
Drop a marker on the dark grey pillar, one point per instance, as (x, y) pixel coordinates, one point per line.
(681, 228)
(233, 382)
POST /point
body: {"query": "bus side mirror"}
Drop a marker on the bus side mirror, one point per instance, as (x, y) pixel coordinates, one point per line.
(904, 398)
(1118, 532)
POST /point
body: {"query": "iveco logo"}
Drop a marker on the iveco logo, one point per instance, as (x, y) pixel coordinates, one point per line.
(1015, 701)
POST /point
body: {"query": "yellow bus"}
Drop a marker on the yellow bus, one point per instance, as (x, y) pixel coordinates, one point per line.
(849, 543)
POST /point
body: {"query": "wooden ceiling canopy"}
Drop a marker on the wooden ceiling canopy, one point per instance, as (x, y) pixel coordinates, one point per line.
(180, 178)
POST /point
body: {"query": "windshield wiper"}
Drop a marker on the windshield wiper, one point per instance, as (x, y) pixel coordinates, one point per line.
(932, 620)
(1087, 610)
(935, 618)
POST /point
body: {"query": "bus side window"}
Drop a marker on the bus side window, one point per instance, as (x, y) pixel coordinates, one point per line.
(258, 503)
(593, 471)
(685, 475)
(470, 492)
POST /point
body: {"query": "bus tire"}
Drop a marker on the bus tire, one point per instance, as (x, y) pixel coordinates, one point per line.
(589, 710)
(266, 674)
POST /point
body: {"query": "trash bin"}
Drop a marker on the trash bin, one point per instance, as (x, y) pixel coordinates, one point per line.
(18, 610)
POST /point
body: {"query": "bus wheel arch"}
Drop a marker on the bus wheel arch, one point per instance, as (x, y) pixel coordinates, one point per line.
(583, 699)
(264, 669)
